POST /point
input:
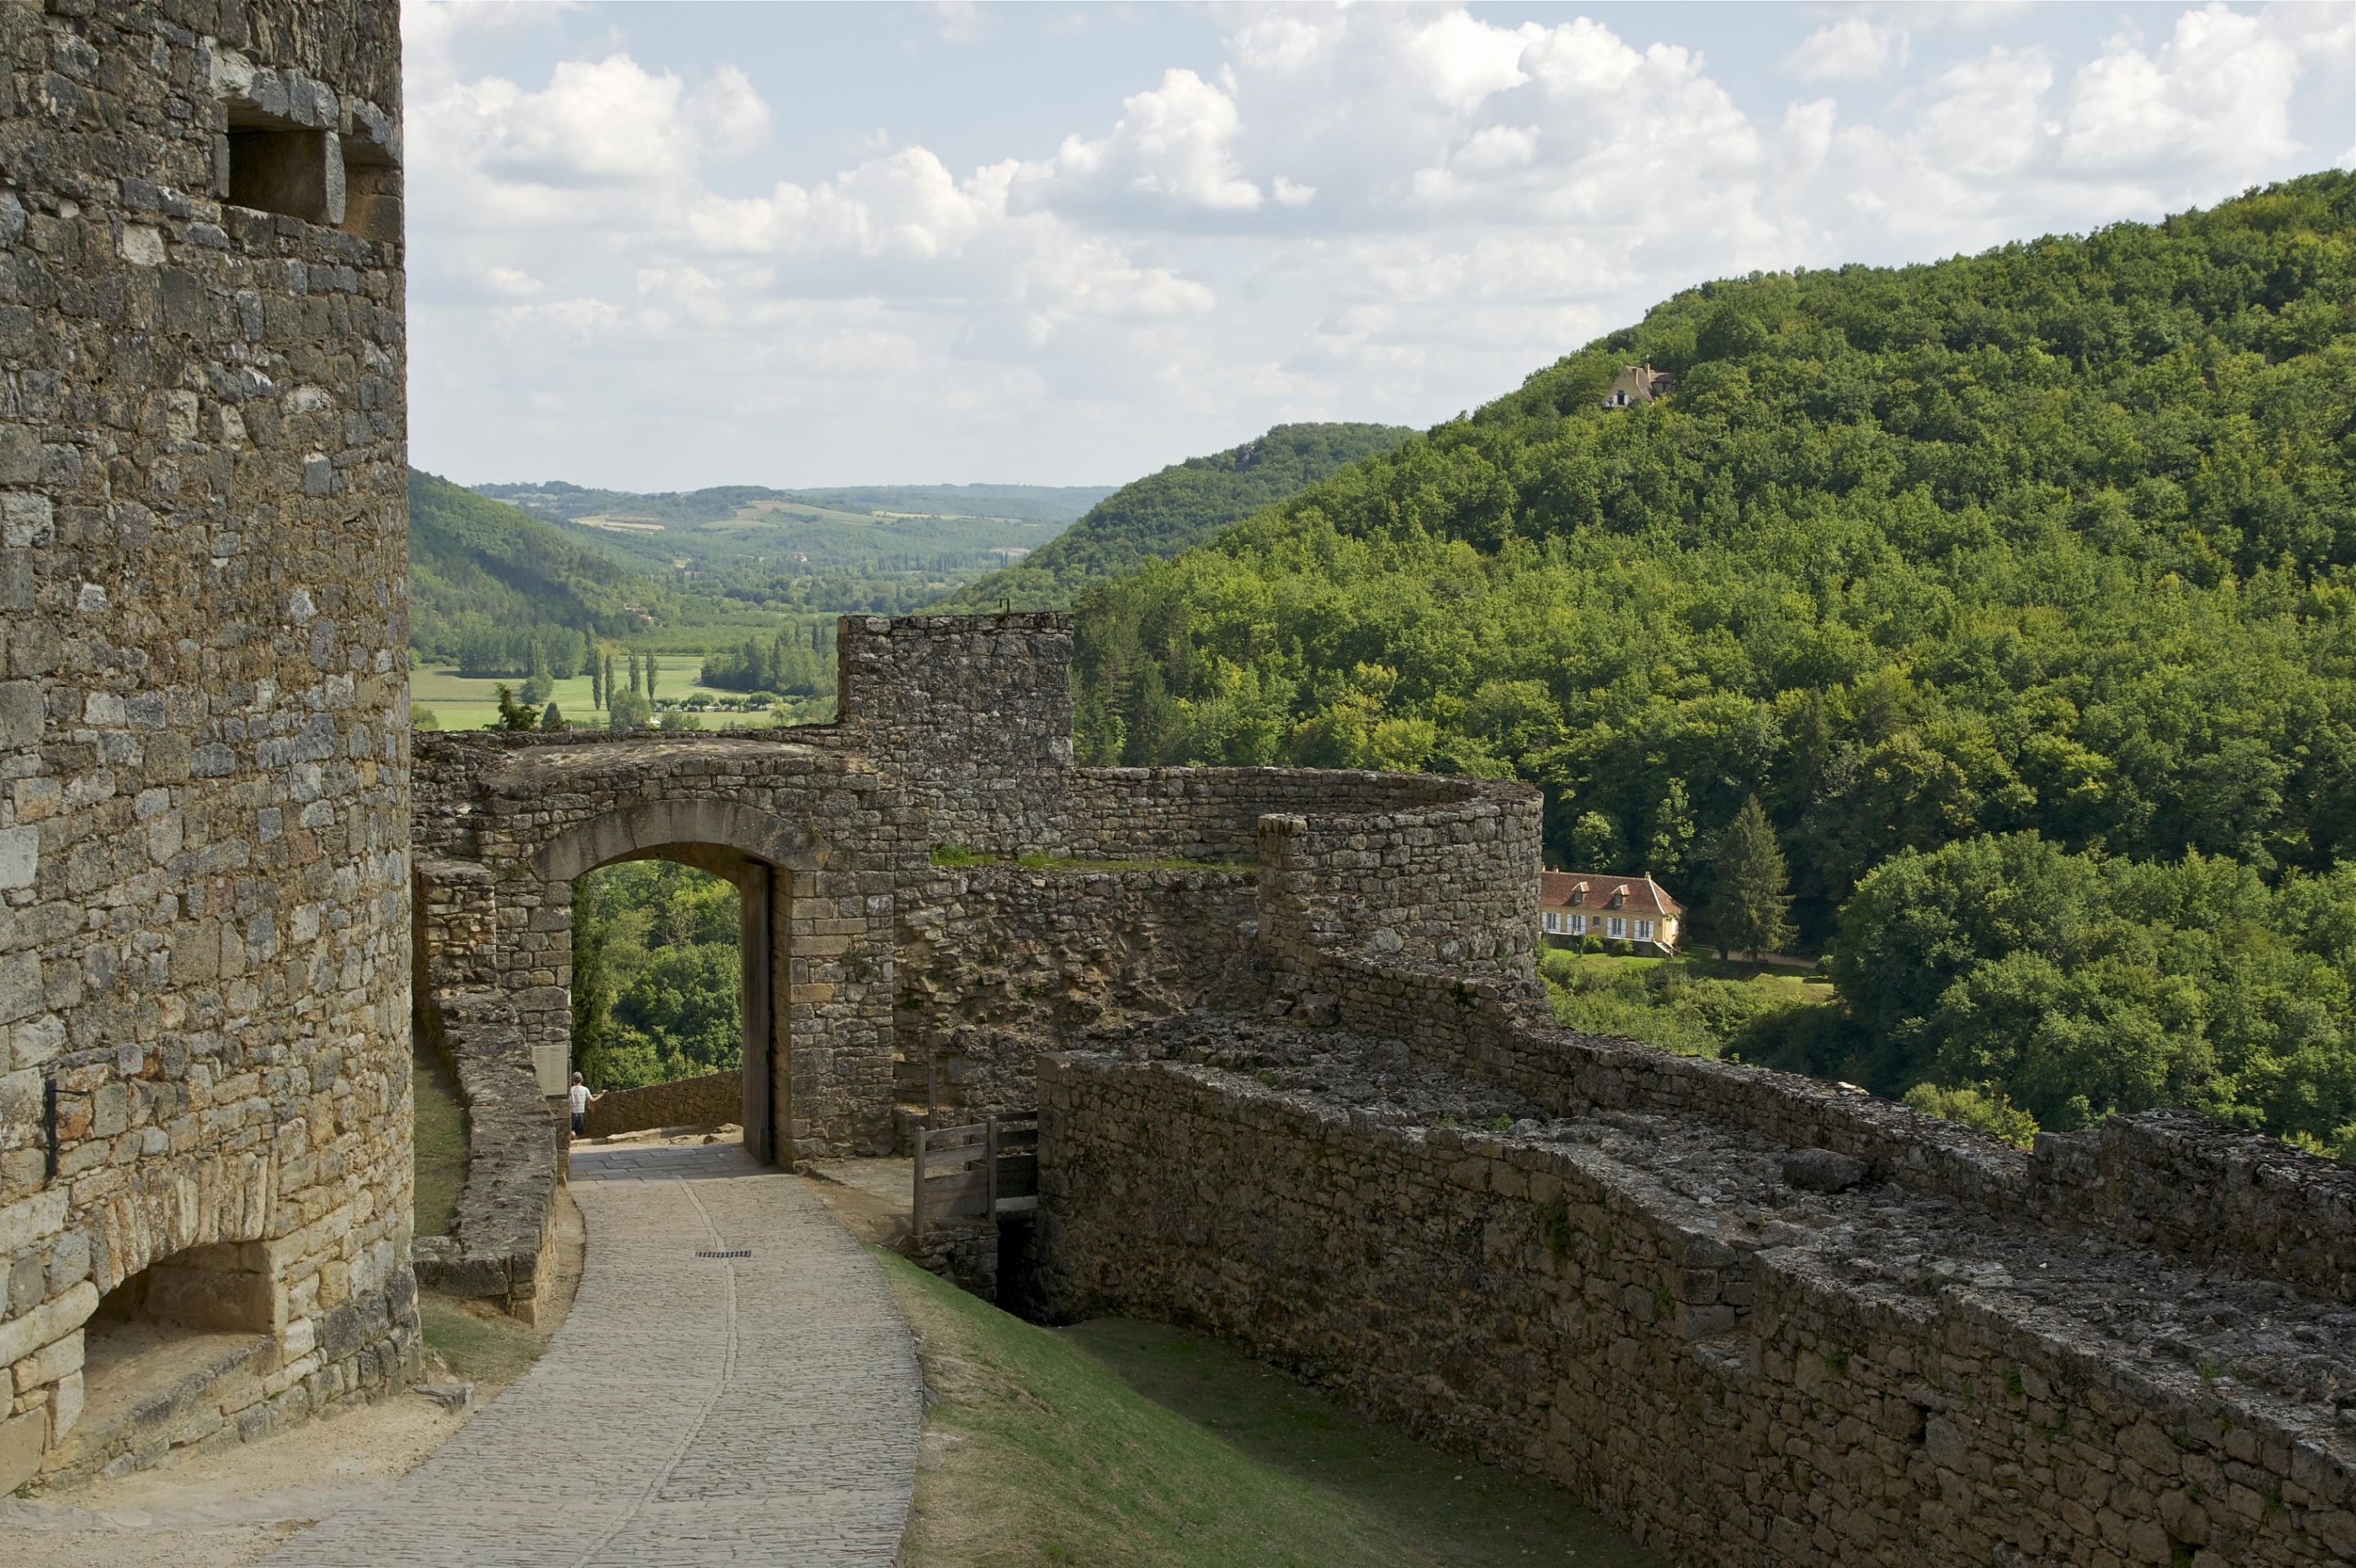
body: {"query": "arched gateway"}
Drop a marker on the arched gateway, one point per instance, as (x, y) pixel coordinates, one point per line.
(813, 841)
(866, 965)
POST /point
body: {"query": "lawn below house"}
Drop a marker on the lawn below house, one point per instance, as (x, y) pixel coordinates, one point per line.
(1125, 1443)
(1694, 1005)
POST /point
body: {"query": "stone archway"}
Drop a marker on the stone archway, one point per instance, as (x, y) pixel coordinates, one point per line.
(750, 848)
(829, 837)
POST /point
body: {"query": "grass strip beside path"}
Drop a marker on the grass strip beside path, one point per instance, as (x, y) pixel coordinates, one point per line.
(440, 1144)
(1122, 1442)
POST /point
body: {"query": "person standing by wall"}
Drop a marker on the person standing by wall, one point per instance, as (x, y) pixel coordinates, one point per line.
(579, 1098)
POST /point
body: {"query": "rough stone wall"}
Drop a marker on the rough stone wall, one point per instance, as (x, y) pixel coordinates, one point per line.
(454, 904)
(2187, 1185)
(204, 818)
(998, 963)
(1213, 813)
(971, 715)
(539, 811)
(498, 1246)
(1454, 884)
(712, 1100)
(1643, 1307)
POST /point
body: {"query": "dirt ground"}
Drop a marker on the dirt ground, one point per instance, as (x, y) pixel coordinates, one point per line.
(229, 1510)
(871, 1198)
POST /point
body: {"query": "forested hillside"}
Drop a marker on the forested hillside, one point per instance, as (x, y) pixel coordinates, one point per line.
(481, 571)
(2019, 588)
(1159, 516)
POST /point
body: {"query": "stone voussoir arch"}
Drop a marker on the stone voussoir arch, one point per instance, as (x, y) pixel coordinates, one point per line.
(812, 839)
(639, 831)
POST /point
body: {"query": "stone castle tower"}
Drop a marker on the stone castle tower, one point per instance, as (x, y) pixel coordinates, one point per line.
(204, 801)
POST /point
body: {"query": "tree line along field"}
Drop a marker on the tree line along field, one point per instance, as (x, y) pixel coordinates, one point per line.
(454, 701)
(2019, 588)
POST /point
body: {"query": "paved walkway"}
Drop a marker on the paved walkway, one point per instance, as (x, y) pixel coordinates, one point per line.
(691, 1411)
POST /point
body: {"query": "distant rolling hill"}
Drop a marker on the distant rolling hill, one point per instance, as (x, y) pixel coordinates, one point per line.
(737, 530)
(473, 557)
(1165, 514)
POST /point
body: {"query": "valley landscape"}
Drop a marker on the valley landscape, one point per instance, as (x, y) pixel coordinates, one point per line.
(1743, 953)
(2007, 584)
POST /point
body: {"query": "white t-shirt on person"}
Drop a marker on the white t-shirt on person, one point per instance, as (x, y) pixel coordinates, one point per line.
(581, 1099)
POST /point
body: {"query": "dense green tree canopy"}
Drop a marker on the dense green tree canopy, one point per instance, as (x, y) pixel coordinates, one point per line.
(654, 974)
(2057, 540)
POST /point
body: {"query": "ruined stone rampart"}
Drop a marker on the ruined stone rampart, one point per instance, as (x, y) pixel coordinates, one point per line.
(997, 963)
(971, 715)
(712, 1100)
(1453, 882)
(498, 1244)
(1213, 813)
(1638, 1302)
(204, 806)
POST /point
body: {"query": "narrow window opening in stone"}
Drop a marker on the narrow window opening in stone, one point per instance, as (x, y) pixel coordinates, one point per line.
(200, 1319)
(371, 191)
(298, 173)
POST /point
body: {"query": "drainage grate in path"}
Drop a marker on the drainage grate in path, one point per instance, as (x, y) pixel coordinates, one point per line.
(739, 1253)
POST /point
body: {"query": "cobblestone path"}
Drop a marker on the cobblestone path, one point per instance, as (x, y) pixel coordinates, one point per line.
(692, 1410)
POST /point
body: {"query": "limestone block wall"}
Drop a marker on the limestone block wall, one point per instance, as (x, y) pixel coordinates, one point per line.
(997, 963)
(971, 715)
(204, 817)
(838, 837)
(1455, 884)
(1213, 813)
(1739, 1371)
(711, 1100)
(455, 910)
(499, 1246)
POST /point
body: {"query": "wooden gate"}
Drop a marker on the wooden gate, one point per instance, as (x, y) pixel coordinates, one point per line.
(987, 1171)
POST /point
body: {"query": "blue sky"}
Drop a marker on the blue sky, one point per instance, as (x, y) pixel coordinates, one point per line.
(667, 246)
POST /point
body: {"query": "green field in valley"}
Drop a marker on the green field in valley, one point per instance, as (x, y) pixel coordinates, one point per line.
(461, 702)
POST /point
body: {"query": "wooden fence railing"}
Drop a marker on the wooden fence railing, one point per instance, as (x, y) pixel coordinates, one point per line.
(989, 1169)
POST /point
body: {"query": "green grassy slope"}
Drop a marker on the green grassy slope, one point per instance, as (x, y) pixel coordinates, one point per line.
(1164, 513)
(472, 556)
(1134, 1445)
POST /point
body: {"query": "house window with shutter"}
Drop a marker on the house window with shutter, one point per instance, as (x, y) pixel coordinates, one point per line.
(1619, 926)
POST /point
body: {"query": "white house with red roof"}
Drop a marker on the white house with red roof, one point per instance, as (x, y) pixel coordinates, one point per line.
(1574, 905)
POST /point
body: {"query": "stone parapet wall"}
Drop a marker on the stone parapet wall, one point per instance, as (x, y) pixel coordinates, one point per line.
(2173, 1181)
(455, 909)
(1454, 884)
(1503, 1031)
(1213, 813)
(971, 715)
(1740, 1372)
(2187, 1185)
(204, 742)
(710, 1101)
(997, 963)
(499, 1248)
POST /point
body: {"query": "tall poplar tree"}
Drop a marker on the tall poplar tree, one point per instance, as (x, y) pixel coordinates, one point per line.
(1748, 909)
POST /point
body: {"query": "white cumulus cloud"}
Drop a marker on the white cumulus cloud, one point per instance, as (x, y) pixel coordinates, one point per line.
(1387, 212)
